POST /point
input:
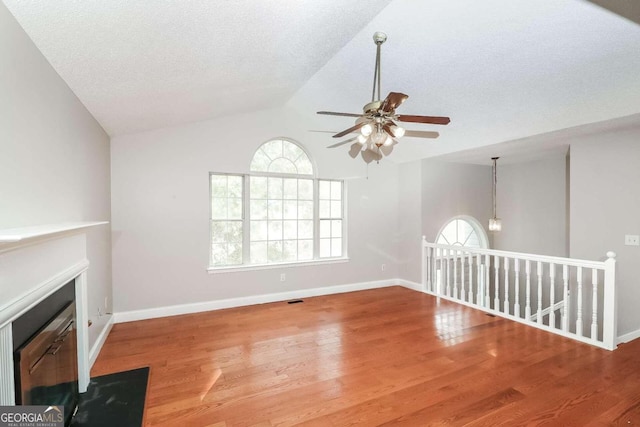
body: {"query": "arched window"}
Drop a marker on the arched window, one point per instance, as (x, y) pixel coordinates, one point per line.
(463, 231)
(278, 213)
(281, 156)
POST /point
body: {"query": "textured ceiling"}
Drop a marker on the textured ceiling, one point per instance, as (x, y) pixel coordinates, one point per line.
(502, 70)
(139, 65)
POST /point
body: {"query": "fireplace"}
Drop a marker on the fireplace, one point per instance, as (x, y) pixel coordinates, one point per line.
(46, 355)
(36, 263)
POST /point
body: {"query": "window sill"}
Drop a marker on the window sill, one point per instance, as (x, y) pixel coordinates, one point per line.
(231, 269)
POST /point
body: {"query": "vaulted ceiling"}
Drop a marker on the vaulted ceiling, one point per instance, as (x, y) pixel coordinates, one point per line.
(501, 69)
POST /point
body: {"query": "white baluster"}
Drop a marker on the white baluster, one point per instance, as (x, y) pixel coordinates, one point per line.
(579, 314)
(463, 296)
(487, 297)
(496, 269)
(470, 293)
(552, 295)
(516, 304)
(506, 286)
(447, 254)
(527, 307)
(426, 275)
(455, 273)
(539, 271)
(480, 296)
(594, 321)
(565, 298)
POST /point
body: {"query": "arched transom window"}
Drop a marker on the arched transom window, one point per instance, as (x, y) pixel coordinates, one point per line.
(281, 156)
(463, 231)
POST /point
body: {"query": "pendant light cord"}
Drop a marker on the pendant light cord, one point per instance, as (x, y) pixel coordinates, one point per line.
(495, 184)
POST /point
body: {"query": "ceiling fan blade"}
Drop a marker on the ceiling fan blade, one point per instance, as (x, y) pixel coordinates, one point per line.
(393, 101)
(434, 120)
(332, 113)
(421, 134)
(351, 129)
(355, 150)
(369, 156)
(346, 141)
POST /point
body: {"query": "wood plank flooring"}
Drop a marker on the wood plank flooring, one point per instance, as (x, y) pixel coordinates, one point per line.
(388, 356)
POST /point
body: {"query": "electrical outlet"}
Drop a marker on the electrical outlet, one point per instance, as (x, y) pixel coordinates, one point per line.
(283, 277)
(632, 240)
(383, 267)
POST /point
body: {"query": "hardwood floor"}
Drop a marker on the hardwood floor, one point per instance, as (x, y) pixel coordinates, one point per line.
(388, 356)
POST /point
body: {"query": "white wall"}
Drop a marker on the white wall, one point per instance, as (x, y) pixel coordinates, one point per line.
(605, 205)
(410, 221)
(532, 203)
(54, 161)
(161, 212)
(451, 189)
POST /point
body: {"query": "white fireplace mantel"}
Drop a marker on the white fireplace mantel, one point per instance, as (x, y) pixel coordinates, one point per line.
(35, 262)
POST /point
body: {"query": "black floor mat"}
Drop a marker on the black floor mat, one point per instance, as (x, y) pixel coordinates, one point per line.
(113, 400)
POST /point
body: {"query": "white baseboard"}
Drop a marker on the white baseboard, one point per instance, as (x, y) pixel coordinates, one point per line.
(175, 310)
(97, 346)
(629, 336)
(409, 284)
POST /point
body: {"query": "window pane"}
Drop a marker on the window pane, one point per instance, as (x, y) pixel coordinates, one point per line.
(336, 190)
(304, 166)
(449, 232)
(275, 230)
(275, 209)
(218, 186)
(324, 189)
(305, 210)
(336, 247)
(234, 253)
(305, 229)
(291, 151)
(275, 188)
(258, 209)
(258, 252)
(282, 165)
(325, 209)
(325, 248)
(336, 209)
(235, 186)
(234, 232)
(336, 228)
(274, 251)
(273, 149)
(260, 162)
(325, 228)
(219, 254)
(218, 231)
(290, 250)
(305, 249)
(290, 209)
(258, 187)
(290, 188)
(290, 229)
(234, 207)
(219, 208)
(258, 230)
(305, 189)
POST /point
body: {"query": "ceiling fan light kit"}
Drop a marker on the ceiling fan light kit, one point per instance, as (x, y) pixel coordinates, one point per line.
(379, 132)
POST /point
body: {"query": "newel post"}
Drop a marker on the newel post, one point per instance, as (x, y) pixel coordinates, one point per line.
(609, 316)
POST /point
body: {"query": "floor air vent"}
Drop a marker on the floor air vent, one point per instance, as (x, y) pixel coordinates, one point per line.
(294, 301)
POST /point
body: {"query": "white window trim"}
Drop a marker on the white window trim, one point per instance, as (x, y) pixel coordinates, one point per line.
(288, 264)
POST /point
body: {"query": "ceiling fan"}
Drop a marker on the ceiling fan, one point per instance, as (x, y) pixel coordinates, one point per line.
(379, 132)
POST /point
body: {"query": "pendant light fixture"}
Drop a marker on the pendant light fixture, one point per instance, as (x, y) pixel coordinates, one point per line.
(495, 224)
